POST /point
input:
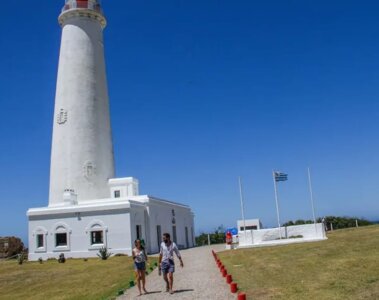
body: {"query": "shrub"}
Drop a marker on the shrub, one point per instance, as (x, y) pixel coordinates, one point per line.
(104, 254)
(20, 258)
(61, 258)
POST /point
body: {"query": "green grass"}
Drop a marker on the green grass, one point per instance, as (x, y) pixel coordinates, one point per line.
(346, 266)
(75, 279)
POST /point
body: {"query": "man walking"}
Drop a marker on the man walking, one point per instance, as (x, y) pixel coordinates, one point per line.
(166, 261)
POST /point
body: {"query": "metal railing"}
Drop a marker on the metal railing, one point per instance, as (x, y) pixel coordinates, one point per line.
(85, 4)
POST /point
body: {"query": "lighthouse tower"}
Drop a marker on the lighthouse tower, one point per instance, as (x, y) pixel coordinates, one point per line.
(89, 208)
(82, 151)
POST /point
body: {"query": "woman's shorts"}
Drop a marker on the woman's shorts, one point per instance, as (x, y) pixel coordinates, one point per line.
(139, 266)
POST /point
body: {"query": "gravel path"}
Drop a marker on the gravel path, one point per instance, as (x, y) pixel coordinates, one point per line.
(199, 279)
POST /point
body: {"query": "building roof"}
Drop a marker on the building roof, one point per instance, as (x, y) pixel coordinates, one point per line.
(102, 204)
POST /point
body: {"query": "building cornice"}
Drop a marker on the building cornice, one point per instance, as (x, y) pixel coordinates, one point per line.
(77, 208)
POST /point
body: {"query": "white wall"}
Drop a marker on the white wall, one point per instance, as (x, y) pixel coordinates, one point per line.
(307, 231)
(160, 213)
(137, 217)
(118, 220)
(116, 225)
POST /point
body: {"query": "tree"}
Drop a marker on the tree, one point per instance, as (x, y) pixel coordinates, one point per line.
(11, 246)
(217, 237)
(338, 222)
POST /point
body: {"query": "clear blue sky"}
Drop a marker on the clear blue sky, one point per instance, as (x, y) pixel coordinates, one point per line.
(202, 92)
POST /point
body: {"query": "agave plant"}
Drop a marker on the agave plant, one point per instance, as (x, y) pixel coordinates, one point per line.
(61, 258)
(20, 258)
(104, 253)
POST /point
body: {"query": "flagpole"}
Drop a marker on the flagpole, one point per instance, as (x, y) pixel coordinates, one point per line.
(311, 193)
(242, 208)
(277, 203)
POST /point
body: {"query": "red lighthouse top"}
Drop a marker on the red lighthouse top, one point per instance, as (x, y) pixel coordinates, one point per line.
(85, 4)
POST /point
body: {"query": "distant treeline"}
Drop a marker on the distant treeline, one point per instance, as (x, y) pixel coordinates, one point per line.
(217, 237)
(336, 222)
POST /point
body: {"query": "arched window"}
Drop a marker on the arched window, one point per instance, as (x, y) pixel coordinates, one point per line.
(61, 234)
(39, 238)
(97, 234)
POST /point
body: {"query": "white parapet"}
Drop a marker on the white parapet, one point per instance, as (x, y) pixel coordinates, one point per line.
(123, 187)
(284, 235)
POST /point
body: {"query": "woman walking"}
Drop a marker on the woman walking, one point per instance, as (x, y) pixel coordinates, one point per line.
(140, 260)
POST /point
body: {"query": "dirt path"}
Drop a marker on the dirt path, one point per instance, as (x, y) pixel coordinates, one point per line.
(199, 279)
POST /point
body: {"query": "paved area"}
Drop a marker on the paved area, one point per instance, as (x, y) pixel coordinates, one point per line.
(199, 279)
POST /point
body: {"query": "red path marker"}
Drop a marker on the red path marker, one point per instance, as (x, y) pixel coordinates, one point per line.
(241, 296)
(233, 287)
(224, 273)
(229, 279)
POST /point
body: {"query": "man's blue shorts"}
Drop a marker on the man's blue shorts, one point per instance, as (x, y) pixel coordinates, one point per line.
(168, 266)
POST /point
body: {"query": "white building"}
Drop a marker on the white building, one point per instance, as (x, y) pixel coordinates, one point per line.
(89, 208)
(251, 224)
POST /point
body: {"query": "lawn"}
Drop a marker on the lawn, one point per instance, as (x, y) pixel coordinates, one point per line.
(346, 266)
(75, 279)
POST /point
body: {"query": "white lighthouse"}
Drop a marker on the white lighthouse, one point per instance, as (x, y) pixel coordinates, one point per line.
(89, 208)
(82, 151)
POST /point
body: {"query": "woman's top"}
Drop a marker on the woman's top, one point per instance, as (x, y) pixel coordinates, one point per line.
(139, 255)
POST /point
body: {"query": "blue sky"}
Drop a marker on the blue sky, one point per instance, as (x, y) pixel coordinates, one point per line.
(203, 92)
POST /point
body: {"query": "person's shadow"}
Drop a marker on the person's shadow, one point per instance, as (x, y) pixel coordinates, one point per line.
(183, 291)
(153, 292)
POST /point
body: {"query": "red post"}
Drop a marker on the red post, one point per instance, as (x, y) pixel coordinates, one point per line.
(224, 273)
(229, 279)
(241, 296)
(233, 287)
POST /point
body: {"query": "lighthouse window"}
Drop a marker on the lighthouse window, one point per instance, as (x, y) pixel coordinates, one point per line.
(39, 240)
(117, 194)
(97, 237)
(60, 239)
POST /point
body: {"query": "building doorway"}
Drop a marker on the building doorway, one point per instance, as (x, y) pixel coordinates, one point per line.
(174, 234)
(138, 232)
(159, 236)
(192, 237)
(187, 242)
